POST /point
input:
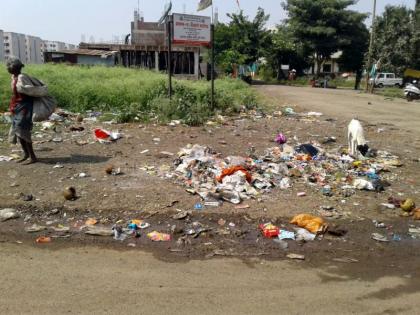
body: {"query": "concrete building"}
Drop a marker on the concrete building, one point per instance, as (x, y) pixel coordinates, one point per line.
(15, 45)
(27, 48)
(49, 45)
(147, 33)
(329, 66)
(1, 46)
(33, 49)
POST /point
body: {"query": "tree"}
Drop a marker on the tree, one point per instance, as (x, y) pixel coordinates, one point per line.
(284, 49)
(416, 41)
(395, 39)
(322, 26)
(242, 40)
(354, 51)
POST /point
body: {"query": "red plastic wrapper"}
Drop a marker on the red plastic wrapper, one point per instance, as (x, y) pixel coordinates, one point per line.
(269, 230)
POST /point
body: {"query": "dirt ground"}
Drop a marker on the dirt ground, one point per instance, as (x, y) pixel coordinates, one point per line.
(380, 277)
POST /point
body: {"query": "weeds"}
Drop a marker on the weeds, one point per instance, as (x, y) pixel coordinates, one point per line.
(134, 95)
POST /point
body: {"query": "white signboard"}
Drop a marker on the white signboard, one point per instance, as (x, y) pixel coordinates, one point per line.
(191, 29)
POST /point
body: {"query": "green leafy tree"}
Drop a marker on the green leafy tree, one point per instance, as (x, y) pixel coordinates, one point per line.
(241, 40)
(322, 26)
(284, 49)
(355, 49)
(394, 41)
(416, 41)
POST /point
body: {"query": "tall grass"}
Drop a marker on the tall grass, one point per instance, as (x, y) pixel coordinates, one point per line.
(133, 93)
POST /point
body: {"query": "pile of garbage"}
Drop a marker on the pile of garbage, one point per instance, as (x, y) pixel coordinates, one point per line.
(235, 178)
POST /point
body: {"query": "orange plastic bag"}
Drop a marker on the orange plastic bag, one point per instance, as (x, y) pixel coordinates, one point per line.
(43, 239)
(311, 223)
(232, 170)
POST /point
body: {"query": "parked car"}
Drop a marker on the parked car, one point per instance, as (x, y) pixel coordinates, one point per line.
(387, 79)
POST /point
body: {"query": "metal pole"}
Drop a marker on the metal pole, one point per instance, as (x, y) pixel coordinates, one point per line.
(212, 65)
(170, 57)
(372, 37)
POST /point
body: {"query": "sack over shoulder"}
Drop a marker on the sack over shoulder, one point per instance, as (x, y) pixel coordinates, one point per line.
(43, 108)
(31, 86)
(44, 104)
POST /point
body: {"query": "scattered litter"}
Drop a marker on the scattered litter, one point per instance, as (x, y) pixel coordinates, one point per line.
(8, 214)
(35, 228)
(303, 235)
(416, 214)
(296, 256)
(99, 231)
(388, 205)
(43, 240)
(61, 228)
(159, 237)
(363, 184)
(269, 230)
(281, 139)
(414, 232)
(5, 158)
(91, 221)
(119, 234)
(379, 225)
(312, 223)
(104, 136)
(181, 215)
(111, 170)
(286, 235)
(408, 205)
(379, 237)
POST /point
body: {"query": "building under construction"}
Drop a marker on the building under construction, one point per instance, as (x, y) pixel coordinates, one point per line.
(147, 47)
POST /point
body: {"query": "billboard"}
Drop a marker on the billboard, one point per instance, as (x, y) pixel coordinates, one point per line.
(191, 29)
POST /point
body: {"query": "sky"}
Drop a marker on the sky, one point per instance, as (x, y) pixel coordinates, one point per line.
(63, 20)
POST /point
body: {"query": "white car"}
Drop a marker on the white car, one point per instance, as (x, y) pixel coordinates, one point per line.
(387, 79)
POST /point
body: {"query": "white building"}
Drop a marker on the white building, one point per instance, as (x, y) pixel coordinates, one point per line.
(27, 48)
(33, 49)
(1, 46)
(49, 45)
(15, 45)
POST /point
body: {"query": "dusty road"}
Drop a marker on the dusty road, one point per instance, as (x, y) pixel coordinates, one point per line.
(349, 104)
(63, 278)
(98, 281)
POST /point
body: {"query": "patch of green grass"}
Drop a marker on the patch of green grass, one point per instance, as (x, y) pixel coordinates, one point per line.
(133, 94)
(391, 92)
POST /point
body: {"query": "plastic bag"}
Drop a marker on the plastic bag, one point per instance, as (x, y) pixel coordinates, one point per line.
(312, 223)
(159, 237)
(269, 230)
(106, 136)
